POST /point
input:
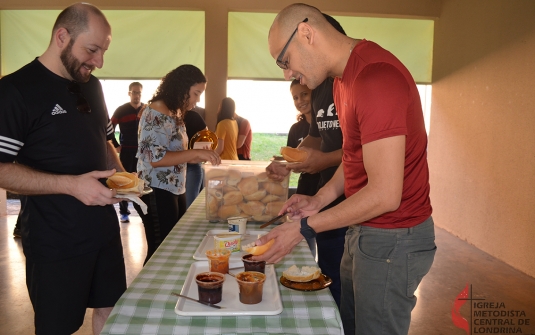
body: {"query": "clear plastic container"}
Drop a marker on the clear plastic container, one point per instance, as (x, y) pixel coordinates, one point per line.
(242, 188)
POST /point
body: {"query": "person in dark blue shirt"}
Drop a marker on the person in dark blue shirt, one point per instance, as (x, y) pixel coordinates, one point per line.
(127, 117)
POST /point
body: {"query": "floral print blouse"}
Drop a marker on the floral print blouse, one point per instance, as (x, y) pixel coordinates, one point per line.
(157, 134)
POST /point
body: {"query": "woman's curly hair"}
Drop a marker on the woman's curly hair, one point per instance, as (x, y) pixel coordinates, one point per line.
(174, 87)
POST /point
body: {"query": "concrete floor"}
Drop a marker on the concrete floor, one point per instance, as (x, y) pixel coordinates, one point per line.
(501, 294)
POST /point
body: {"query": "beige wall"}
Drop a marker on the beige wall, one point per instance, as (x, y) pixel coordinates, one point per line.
(482, 139)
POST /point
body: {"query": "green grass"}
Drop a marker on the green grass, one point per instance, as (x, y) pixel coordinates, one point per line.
(264, 146)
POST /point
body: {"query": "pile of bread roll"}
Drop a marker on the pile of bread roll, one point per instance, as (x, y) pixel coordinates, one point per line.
(247, 193)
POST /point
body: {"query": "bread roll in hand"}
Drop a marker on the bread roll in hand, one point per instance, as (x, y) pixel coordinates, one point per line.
(126, 183)
(293, 155)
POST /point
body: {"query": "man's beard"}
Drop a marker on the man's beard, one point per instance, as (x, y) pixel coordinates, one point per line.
(72, 64)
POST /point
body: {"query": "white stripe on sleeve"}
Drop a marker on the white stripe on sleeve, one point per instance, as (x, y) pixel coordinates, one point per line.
(10, 146)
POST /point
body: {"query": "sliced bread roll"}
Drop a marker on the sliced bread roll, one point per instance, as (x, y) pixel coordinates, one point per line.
(125, 183)
(305, 274)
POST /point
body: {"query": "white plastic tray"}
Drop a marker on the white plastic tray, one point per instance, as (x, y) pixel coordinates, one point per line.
(271, 303)
(208, 243)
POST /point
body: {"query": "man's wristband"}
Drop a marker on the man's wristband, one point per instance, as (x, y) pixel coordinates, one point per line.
(306, 230)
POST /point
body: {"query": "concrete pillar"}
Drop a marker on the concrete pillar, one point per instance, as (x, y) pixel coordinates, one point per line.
(215, 58)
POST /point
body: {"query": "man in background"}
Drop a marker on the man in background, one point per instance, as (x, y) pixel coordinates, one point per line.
(55, 150)
(127, 117)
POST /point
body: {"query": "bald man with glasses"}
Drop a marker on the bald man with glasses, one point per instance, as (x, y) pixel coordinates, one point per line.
(389, 244)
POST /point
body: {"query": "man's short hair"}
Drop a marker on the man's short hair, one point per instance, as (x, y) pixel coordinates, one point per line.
(292, 15)
(334, 23)
(75, 19)
(135, 83)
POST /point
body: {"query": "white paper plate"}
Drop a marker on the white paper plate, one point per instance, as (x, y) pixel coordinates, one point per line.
(271, 303)
(208, 243)
(145, 191)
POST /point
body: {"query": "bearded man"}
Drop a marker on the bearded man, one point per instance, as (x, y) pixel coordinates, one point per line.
(54, 148)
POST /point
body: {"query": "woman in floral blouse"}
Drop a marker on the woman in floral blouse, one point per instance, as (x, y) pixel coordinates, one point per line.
(162, 152)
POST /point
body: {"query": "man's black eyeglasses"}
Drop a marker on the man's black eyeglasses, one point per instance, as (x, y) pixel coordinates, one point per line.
(81, 103)
(284, 64)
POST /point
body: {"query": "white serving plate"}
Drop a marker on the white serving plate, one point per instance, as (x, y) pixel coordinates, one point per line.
(208, 243)
(271, 303)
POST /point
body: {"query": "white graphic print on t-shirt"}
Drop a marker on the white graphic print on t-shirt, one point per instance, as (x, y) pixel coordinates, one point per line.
(329, 123)
(58, 110)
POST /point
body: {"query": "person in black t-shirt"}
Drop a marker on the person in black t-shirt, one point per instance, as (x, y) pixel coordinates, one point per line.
(54, 125)
(308, 182)
(195, 174)
(126, 116)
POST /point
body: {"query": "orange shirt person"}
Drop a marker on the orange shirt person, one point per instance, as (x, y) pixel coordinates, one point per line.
(227, 130)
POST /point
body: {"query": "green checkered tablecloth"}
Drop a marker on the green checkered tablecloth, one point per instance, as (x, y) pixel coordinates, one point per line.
(147, 306)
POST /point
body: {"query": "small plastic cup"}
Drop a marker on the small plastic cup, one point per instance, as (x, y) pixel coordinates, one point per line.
(218, 260)
(237, 224)
(210, 285)
(251, 265)
(251, 284)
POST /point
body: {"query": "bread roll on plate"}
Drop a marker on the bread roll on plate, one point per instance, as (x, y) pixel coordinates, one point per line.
(126, 183)
(305, 274)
